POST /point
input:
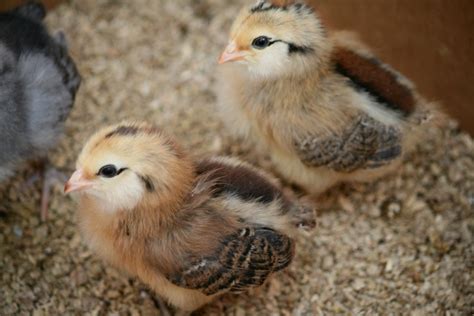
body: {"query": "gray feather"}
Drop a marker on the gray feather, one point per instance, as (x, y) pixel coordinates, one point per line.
(38, 84)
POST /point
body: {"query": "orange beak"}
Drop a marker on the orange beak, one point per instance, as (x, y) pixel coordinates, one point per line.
(231, 53)
(77, 182)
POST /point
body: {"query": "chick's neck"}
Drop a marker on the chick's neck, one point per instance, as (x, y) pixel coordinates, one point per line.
(159, 208)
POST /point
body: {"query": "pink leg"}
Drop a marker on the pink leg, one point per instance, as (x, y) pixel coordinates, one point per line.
(50, 177)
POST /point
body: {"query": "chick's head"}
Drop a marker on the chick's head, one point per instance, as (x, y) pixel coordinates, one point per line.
(122, 165)
(276, 38)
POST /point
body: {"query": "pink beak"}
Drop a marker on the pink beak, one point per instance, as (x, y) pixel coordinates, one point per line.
(231, 53)
(77, 182)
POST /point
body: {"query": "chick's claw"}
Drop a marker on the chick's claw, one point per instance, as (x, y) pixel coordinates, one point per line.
(304, 217)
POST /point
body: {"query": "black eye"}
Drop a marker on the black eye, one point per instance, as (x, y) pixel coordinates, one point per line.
(261, 42)
(108, 171)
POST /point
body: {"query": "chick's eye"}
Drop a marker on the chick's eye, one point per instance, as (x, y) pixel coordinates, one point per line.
(108, 171)
(261, 42)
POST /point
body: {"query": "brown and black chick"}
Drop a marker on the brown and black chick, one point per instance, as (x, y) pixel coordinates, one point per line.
(191, 230)
(321, 104)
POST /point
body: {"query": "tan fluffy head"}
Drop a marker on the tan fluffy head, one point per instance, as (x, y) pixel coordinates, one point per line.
(132, 163)
(279, 38)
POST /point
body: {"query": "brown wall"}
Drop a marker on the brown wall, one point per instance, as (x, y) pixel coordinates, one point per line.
(430, 41)
(9, 4)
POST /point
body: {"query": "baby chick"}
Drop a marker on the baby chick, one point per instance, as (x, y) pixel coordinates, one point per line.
(38, 84)
(324, 107)
(191, 230)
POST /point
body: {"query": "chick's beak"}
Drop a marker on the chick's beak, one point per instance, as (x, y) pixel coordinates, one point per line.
(231, 53)
(77, 182)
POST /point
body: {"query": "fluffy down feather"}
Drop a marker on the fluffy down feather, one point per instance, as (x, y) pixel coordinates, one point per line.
(192, 229)
(38, 84)
(321, 104)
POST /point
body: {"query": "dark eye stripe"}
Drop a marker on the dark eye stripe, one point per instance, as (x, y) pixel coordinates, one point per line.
(121, 170)
(262, 42)
(292, 48)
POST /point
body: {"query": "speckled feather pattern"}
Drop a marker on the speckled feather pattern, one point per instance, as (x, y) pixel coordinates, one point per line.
(243, 260)
(365, 144)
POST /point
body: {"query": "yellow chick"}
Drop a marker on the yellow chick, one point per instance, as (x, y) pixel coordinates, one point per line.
(323, 106)
(191, 230)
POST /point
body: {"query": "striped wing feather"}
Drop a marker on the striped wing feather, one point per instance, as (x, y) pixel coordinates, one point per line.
(366, 144)
(243, 260)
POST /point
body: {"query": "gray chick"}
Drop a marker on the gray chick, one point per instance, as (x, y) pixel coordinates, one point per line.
(38, 85)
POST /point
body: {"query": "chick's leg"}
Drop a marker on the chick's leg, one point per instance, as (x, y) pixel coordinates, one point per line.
(51, 176)
(304, 216)
(302, 213)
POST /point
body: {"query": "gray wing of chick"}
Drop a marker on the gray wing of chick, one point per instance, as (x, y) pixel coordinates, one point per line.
(365, 144)
(47, 76)
(242, 261)
(38, 84)
(13, 143)
(51, 81)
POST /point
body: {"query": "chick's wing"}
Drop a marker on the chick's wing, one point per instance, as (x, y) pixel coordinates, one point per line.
(242, 260)
(367, 143)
